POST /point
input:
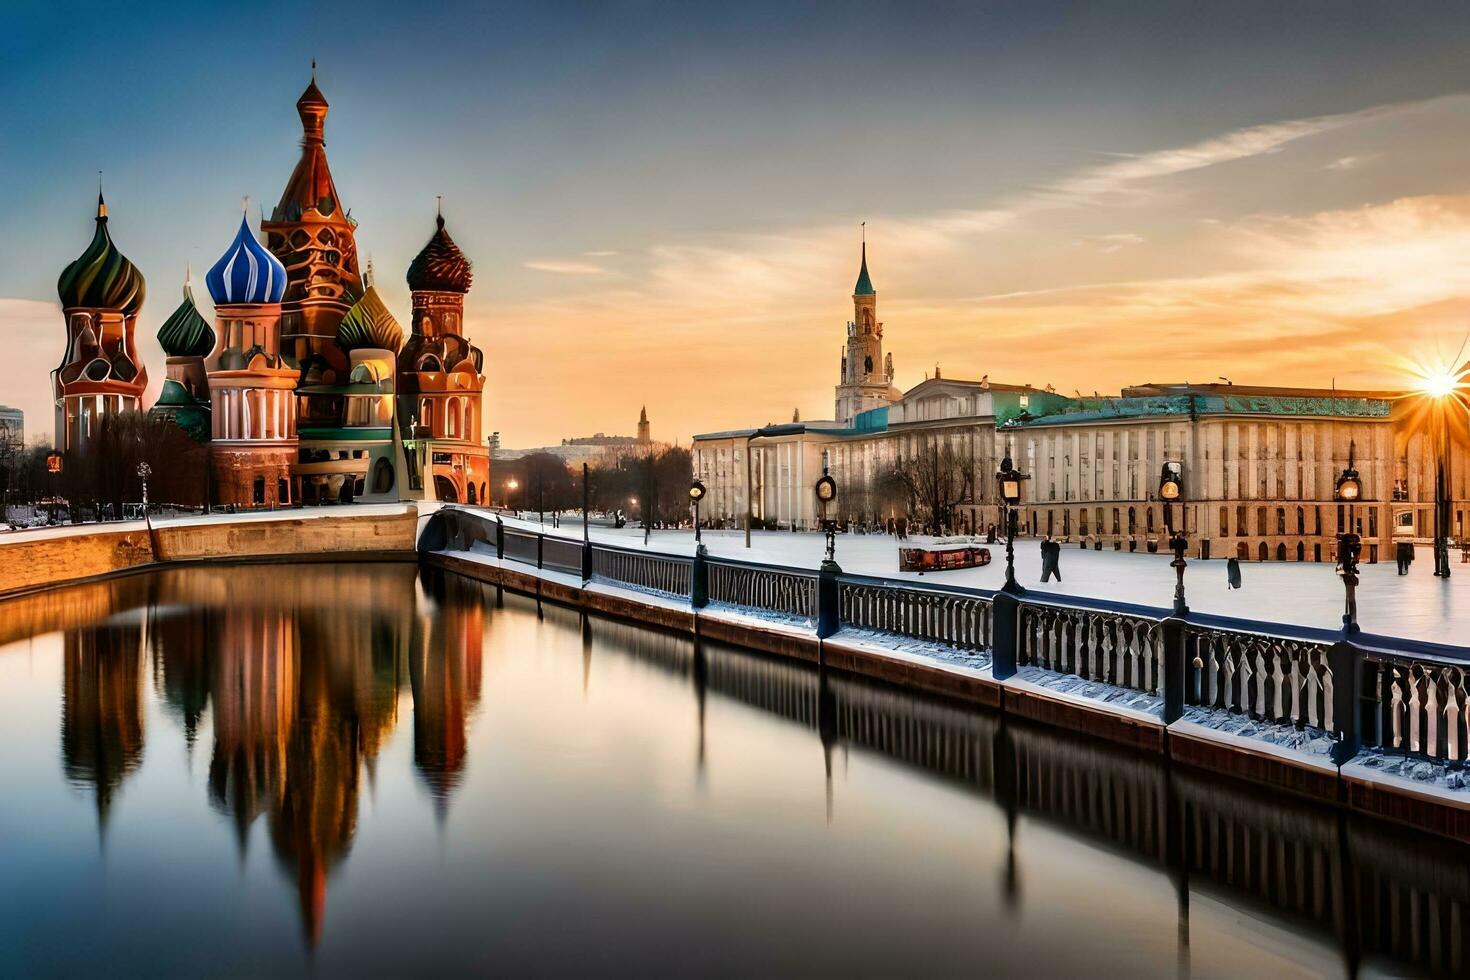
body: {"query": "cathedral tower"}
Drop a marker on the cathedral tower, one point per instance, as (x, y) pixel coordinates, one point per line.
(313, 236)
(440, 380)
(866, 380)
(251, 385)
(100, 373)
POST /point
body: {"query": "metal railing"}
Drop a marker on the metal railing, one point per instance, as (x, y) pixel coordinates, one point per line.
(1400, 696)
(952, 618)
(663, 574)
(764, 588)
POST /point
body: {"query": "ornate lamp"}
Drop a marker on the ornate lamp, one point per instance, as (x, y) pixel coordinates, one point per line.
(696, 494)
(1347, 490)
(1171, 489)
(1010, 479)
(826, 491)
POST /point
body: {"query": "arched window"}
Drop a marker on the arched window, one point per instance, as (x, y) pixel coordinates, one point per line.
(1301, 551)
(1264, 553)
(470, 494)
(1132, 521)
(451, 419)
(1281, 522)
(382, 476)
(1224, 522)
(1281, 551)
(1301, 523)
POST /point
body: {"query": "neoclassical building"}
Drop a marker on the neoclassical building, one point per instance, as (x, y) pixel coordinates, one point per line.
(1259, 464)
(440, 379)
(100, 373)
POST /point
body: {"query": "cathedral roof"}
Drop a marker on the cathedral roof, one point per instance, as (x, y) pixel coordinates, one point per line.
(369, 324)
(864, 285)
(101, 278)
(310, 187)
(440, 266)
(247, 272)
(185, 333)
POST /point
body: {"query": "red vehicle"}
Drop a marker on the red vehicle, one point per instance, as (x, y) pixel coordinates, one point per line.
(942, 555)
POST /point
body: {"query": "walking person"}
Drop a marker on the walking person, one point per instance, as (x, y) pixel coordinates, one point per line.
(1404, 554)
(1051, 556)
(1232, 573)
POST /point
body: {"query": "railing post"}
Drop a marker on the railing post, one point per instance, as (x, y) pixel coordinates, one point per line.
(540, 548)
(1346, 663)
(586, 561)
(1005, 616)
(1176, 669)
(699, 579)
(499, 539)
(829, 601)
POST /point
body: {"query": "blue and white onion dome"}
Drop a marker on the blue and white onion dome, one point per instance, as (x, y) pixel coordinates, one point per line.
(246, 273)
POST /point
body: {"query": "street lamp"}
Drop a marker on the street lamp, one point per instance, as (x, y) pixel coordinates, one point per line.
(145, 471)
(1171, 489)
(696, 494)
(826, 491)
(1010, 495)
(510, 488)
(53, 469)
(1348, 489)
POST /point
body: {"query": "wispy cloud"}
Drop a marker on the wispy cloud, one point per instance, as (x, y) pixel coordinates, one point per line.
(565, 267)
(1108, 244)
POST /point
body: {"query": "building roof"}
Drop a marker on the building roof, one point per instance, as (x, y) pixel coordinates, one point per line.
(247, 273)
(827, 428)
(440, 266)
(1185, 388)
(310, 187)
(102, 278)
(186, 333)
(864, 285)
(1194, 405)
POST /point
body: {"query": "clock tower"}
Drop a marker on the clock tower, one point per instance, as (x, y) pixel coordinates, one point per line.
(867, 378)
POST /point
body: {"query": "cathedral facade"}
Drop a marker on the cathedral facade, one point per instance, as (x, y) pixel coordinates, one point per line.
(304, 387)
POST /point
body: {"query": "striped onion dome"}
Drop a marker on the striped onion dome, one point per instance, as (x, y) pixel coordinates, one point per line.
(247, 272)
(185, 333)
(441, 267)
(101, 278)
(369, 324)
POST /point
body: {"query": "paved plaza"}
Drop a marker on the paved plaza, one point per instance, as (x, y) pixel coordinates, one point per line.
(1417, 605)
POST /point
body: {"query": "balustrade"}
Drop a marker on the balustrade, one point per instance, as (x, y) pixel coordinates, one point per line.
(1280, 680)
(953, 619)
(650, 573)
(521, 546)
(791, 594)
(1421, 707)
(562, 554)
(1112, 648)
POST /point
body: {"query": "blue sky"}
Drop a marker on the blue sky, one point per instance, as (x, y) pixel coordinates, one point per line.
(662, 199)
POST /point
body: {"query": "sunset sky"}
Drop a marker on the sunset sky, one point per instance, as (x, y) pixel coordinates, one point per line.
(662, 201)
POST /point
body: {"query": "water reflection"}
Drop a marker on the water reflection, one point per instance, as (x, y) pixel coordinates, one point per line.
(299, 681)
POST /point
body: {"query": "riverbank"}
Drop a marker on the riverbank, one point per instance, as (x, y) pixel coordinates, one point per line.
(46, 557)
(1272, 729)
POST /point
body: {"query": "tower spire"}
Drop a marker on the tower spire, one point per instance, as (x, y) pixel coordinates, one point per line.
(101, 204)
(864, 285)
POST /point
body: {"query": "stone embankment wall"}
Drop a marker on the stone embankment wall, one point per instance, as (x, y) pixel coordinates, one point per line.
(56, 556)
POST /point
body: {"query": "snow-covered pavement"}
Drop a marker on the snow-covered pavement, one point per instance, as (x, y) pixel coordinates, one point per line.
(1416, 606)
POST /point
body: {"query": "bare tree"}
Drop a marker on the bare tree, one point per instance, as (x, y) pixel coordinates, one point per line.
(933, 479)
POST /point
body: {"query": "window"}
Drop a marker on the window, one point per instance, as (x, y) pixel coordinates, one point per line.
(1224, 522)
(258, 492)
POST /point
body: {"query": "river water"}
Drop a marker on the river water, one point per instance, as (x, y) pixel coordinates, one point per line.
(370, 769)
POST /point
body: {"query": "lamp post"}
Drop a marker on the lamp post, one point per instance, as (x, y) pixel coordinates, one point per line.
(53, 469)
(696, 494)
(826, 491)
(1441, 502)
(1349, 489)
(510, 488)
(1171, 489)
(144, 472)
(1010, 495)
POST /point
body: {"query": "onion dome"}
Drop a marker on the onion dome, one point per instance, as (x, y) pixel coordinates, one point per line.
(369, 324)
(441, 267)
(247, 273)
(101, 278)
(185, 333)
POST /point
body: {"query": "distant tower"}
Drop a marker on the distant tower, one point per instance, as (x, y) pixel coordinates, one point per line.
(312, 235)
(644, 437)
(251, 385)
(867, 377)
(440, 380)
(100, 373)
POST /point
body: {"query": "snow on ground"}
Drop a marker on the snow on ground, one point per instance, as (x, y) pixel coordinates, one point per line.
(1415, 606)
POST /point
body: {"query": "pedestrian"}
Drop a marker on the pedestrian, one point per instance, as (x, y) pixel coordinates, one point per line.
(1404, 554)
(1232, 573)
(1051, 556)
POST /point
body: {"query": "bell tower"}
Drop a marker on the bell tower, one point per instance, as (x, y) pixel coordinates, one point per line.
(866, 376)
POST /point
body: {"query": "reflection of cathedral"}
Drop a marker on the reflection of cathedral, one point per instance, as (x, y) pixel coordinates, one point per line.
(295, 387)
(101, 709)
(300, 686)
